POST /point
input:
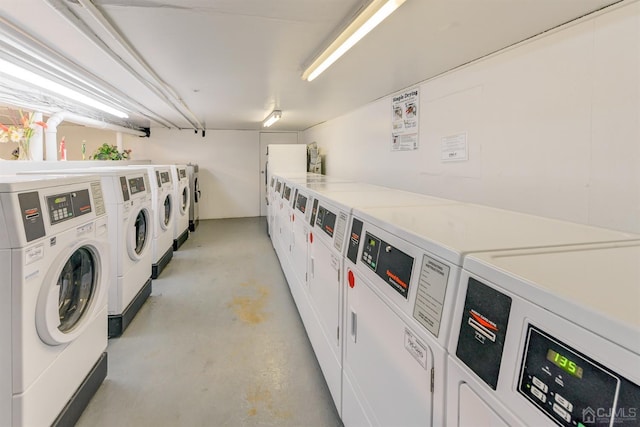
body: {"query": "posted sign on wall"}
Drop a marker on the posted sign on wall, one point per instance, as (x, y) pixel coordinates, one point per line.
(405, 120)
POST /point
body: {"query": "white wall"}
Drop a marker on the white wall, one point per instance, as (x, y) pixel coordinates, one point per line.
(229, 166)
(553, 128)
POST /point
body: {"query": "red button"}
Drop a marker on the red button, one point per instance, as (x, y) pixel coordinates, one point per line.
(352, 279)
(293, 218)
(310, 237)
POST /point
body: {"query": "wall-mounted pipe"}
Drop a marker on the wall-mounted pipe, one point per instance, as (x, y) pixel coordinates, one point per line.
(36, 144)
(50, 135)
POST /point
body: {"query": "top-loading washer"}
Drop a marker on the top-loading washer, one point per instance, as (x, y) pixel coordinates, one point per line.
(547, 337)
(403, 272)
(193, 170)
(127, 197)
(182, 196)
(54, 258)
(163, 208)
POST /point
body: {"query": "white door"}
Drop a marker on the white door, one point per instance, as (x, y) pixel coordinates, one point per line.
(267, 138)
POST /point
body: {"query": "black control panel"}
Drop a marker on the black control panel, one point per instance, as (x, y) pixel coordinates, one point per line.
(388, 262)
(287, 192)
(571, 388)
(314, 212)
(158, 179)
(165, 177)
(354, 240)
(272, 181)
(182, 173)
(69, 205)
(301, 203)
(483, 330)
(136, 185)
(31, 215)
(326, 220)
(278, 186)
(125, 188)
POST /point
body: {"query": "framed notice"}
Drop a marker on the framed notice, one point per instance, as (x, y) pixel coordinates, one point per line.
(454, 148)
(405, 120)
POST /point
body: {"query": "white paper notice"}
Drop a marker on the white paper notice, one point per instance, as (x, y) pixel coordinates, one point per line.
(405, 120)
(454, 148)
(431, 291)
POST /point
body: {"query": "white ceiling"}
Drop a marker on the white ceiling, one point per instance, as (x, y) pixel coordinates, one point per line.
(233, 61)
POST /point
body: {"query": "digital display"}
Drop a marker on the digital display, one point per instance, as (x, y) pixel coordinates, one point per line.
(165, 177)
(136, 185)
(60, 200)
(564, 363)
(372, 242)
(183, 173)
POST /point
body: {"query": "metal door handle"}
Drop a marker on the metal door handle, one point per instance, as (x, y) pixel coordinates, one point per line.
(354, 325)
(312, 267)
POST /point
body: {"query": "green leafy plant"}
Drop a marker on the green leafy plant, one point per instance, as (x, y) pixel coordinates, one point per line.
(110, 152)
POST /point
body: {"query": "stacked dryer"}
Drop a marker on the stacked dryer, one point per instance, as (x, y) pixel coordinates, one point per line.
(127, 197)
(182, 197)
(54, 259)
(163, 207)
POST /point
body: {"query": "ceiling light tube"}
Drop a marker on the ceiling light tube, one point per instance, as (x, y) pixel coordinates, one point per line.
(27, 76)
(272, 118)
(366, 21)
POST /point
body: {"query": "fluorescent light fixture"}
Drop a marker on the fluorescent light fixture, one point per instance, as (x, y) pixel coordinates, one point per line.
(272, 118)
(27, 76)
(366, 21)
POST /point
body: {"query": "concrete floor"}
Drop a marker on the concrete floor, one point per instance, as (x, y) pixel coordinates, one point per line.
(218, 343)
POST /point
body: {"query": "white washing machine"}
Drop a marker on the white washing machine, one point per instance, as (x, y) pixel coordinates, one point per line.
(403, 271)
(127, 196)
(182, 196)
(547, 337)
(163, 208)
(54, 258)
(193, 170)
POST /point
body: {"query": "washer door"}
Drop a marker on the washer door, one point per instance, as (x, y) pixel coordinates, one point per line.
(184, 205)
(71, 293)
(138, 234)
(165, 212)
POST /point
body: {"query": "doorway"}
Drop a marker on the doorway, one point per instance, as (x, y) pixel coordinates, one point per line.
(267, 138)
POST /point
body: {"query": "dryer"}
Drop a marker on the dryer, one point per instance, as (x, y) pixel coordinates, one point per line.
(547, 337)
(127, 197)
(182, 196)
(163, 208)
(54, 257)
(403, 271)
(193, 170)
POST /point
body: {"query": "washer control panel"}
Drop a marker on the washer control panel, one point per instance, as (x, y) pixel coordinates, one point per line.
(388, 262)
(566, 385)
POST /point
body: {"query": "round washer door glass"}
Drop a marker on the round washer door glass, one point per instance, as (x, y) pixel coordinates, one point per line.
(141, 231)
(167, 210)
(77, 283)
(185, 198)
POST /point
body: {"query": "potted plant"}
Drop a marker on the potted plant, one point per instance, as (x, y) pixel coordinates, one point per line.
(110, 152)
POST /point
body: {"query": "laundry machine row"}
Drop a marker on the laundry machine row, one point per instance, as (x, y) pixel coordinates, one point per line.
(55, 259)
(127, 197)
(399, 287)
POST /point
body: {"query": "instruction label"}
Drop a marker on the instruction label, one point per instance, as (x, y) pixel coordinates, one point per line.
(405, 120)
(431, 291)
(454, 148)
(341, 228)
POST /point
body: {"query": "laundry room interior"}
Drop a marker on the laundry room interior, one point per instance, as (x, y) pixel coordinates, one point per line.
(222, 221)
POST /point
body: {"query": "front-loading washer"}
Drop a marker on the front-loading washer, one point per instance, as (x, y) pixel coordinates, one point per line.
(163, 207)
(54, 256)
(127, 197)
(182, 196)
(403, 271)
(547, 337)
(193, 170)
